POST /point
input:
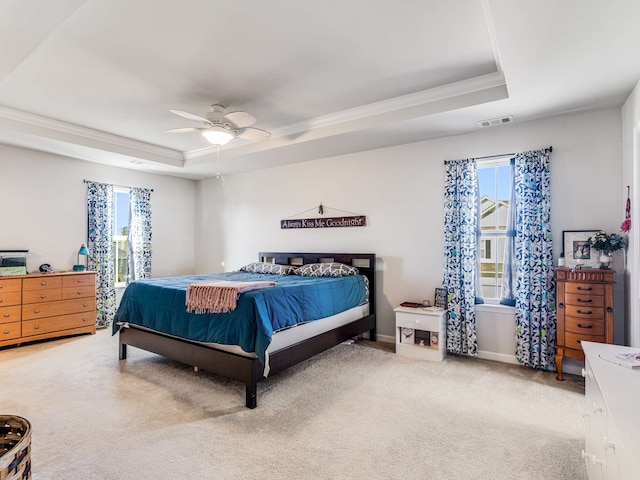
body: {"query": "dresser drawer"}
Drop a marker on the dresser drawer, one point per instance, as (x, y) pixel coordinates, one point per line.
(10, 298)
(572, 340)
(418, 321)
(78, 291)
(42, 283)
(36, 296)
(584, 299)
(10, 285)
(76, 280)
(61, 307)
(590, 288)
(585, 312)
(10, 314)
(9, 331)
(54, 324)
(584, 326)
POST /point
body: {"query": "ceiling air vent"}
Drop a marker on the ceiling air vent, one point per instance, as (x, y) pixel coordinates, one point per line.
(495, 121)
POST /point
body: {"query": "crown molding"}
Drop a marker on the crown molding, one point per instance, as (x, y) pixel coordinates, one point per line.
(148, 151)
(354, 115)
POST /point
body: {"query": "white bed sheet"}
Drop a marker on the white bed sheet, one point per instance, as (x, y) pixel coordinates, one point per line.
(291, 336)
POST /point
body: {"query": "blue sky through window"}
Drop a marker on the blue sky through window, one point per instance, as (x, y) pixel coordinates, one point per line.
(494, 182)
(122, 211)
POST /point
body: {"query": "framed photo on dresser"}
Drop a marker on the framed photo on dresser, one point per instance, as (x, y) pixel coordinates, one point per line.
(576, 248)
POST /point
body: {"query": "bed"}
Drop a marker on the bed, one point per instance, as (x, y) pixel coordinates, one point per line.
(138, 325)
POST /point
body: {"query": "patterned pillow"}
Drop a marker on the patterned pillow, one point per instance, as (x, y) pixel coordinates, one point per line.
(274, 268)
(332, 269)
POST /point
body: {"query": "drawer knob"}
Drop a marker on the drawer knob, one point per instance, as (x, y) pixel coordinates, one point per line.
(0, 300)
(43, 296)
(6, 315)
(43, 283)
(588, 312)
(580, 325)
(585, 289)
(79, 292)
(84, 319)
(84, 304)
(609, 309)
(37, 310)
(79, 280)
(36, 327)
(0, 286)
(585, 300)
(6, 332)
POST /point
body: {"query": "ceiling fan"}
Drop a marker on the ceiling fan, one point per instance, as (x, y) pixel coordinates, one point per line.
(220, 126)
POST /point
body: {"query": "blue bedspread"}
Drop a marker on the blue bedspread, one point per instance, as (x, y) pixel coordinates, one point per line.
(160, 304)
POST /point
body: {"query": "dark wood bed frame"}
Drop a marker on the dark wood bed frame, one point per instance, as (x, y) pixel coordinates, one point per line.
(250, 370)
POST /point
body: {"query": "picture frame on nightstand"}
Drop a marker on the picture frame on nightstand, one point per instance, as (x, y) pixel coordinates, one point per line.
(441, 298)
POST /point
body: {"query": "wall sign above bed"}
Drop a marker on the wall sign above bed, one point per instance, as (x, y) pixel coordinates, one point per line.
(330, 222)
(353, 220)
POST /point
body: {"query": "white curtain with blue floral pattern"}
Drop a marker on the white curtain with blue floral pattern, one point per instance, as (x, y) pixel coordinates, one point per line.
(139, 234)
(535, 282)
(100, 245)
(460, 255)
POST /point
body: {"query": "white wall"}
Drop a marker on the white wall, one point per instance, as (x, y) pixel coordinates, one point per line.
(44, 209)
(400, 190)
(631, 176)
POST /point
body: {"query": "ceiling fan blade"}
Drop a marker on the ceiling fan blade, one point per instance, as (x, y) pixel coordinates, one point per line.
(241, 119)
(254, 134)
(190, 116)
(181, 130)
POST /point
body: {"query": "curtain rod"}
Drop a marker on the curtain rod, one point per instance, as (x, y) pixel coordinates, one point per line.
(123, 186)
(549, 149)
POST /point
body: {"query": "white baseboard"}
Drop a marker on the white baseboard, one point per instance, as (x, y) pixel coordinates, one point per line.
(567, 367)
(498, 357)
(385, 338)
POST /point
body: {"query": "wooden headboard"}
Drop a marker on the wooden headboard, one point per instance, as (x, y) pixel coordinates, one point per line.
(364, 262)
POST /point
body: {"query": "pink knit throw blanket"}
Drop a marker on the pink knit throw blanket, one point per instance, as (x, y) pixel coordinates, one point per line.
(219, 296)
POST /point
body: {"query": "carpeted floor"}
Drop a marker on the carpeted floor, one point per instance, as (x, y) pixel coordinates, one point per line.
(355, 412)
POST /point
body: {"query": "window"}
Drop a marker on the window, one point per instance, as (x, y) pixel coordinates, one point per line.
(494, 187)
(120, 235)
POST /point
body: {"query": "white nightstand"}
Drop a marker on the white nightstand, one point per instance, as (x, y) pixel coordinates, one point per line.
(421, 333)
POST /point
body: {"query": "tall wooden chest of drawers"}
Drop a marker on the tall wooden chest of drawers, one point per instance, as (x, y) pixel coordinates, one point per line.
(585, 311)
(40, 306)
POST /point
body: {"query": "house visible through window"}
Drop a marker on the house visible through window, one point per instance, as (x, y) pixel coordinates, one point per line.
(120, 234)
(494, 187)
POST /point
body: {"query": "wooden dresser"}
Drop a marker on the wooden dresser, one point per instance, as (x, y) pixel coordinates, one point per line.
(585, 311)
(48, 305)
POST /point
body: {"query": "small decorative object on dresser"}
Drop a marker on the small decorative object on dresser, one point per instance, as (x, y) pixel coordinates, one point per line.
(428, 330)
(577, 250)
(606, 244)
(13, 262)
(585, 311)
(84, 251)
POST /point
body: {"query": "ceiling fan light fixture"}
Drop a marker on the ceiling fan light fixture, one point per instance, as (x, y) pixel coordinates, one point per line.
(218, 135)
